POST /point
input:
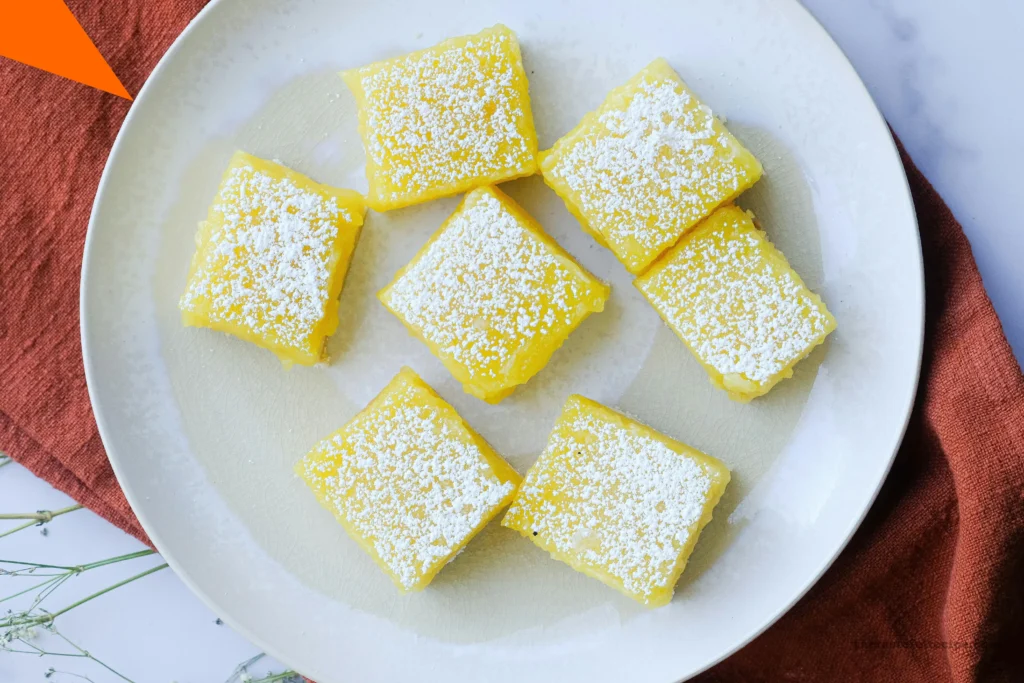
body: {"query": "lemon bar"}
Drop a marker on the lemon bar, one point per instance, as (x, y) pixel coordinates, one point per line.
(445, 120)
(409, 480)
(647, 165)
(732, 298)
(492, 295)
(271, 259)
(618, 501)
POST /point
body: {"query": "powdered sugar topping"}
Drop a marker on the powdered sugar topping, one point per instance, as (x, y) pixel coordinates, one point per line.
(445, 116)
(652, 163)
(487, 288)
(267, 261)
(616, 498)
(408, 481)
(739, 310)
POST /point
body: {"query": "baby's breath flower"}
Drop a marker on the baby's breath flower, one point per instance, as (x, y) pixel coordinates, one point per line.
(27, 633)
(24, 633)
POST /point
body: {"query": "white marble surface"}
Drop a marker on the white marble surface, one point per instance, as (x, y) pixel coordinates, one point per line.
(945, 73)
(941, 71)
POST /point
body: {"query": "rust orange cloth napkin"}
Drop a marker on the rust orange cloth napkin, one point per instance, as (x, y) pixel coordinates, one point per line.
(930, 589)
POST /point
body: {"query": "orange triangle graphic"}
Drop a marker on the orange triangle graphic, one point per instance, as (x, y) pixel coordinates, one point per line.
(46, 35)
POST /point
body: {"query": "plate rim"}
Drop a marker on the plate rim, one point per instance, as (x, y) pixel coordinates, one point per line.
(211, 603)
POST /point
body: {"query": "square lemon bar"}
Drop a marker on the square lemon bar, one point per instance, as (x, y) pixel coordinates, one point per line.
(618, 501)
(409, 480)
(647, 165)
(492, 295)
(732, 298)
(271, 259)
(445, 120)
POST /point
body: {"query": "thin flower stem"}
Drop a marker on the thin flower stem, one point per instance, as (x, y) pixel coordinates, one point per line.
(85, 653)
(5, 461)
(78, 603)
(18, 528)
(41, 517)
(24, 620)
(54, 581)
(120, 558)
(46, 592)
(40, 585)
(243, 670)
(80, 654)
(84, 567)
(73, 674)
(39, 650)
(39, 566)
(42, 653)
(283, 676)
(14, 625)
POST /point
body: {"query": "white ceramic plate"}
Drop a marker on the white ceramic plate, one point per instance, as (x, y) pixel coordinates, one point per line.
(203, 430)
